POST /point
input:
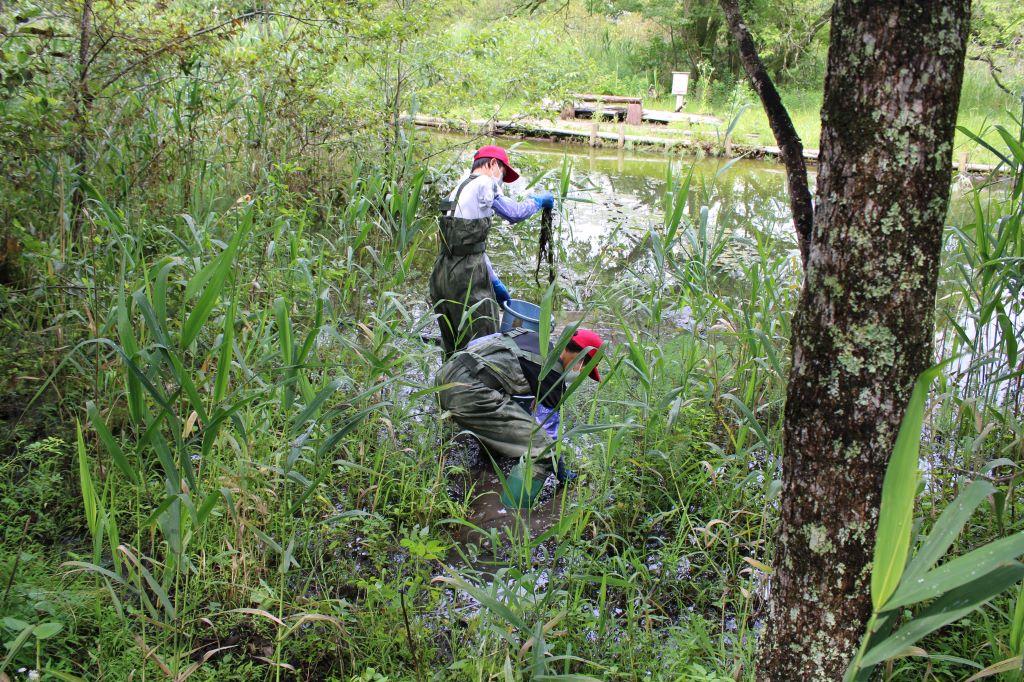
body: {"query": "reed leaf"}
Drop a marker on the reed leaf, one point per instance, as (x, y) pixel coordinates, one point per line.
(896, 511)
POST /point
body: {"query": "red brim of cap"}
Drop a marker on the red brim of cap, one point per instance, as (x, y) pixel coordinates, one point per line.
(594, 374)
(510, 174)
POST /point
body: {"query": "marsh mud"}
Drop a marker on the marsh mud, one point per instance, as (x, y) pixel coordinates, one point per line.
(486, 536)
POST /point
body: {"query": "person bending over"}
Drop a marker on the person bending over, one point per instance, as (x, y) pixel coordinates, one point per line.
(481, 387)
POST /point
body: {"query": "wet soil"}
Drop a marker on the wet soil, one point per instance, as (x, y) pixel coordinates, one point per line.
(491, 527)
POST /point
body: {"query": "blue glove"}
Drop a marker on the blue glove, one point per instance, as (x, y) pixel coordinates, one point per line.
(500, 292)
(543, 199)
(548, 419)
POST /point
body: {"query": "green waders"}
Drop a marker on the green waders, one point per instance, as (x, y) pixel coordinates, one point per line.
(460, 286)
(485, 379)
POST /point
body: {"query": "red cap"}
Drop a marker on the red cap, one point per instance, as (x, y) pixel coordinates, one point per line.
(493, 152)
(585, 338)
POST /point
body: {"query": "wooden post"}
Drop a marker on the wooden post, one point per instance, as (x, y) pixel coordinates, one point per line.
(593, 134)
(963, 163)
(634, 114)
(622, 135)
(680, 102)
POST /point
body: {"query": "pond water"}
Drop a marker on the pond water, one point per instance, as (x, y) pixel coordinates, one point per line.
(617, 194)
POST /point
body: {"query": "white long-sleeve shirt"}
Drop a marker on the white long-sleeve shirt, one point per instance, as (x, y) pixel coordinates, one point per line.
(483, 197)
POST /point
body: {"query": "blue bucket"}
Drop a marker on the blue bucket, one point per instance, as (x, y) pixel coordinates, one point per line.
(521, 314)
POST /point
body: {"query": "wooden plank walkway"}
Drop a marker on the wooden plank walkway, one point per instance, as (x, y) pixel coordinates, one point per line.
(533, 128)
(540, 129)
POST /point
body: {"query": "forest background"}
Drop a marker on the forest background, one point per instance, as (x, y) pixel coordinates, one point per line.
(214, 458)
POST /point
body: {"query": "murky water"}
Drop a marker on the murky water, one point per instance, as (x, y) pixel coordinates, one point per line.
(617, 193)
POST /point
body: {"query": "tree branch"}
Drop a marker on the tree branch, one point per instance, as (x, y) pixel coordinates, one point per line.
(805, 42)
(181, 40)
(790, 146)
(993, 71)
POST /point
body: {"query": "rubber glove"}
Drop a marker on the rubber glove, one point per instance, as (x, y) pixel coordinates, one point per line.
(500, 291)
(543, 199)
(548, 419)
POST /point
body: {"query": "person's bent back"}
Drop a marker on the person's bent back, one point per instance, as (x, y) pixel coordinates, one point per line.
(480, 390)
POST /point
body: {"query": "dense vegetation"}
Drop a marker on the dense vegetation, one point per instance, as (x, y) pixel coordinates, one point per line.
(221, 456)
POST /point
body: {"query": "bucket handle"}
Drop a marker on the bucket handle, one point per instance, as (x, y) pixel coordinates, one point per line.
(521, 316)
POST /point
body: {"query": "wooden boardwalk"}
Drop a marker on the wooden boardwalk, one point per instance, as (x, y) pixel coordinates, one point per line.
(614, 135)
(593, 135)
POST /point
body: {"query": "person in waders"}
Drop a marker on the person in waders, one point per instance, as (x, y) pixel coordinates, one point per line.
(464, 291)
(486, 387)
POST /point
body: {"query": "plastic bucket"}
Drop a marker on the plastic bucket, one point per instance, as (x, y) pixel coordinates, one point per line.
(520, 314)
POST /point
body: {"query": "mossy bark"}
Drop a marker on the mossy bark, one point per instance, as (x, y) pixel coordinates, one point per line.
(863, 329)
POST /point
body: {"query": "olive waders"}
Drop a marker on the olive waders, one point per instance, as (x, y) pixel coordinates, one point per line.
(482, 386)
(460, 285)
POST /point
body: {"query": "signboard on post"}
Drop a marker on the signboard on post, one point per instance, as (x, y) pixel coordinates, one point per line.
(680, 82)
(680, 87)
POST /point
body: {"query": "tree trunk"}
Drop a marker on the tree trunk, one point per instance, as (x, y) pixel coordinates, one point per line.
(864, 325)
(790, 147)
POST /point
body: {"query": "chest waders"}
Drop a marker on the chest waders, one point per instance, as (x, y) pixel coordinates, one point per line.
(460, 286)
(481, 386)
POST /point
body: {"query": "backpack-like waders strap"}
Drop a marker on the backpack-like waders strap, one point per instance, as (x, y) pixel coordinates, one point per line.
(462, 236)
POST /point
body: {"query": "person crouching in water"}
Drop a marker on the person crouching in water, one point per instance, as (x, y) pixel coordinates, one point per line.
(464, 290)
(480, 386)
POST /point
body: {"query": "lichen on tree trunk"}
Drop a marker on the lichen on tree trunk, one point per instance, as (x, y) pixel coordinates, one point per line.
(863, 328)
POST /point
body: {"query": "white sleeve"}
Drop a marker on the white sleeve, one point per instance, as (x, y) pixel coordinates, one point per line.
(488, 190)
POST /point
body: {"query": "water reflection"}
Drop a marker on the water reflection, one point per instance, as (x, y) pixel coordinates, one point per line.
(615, 193)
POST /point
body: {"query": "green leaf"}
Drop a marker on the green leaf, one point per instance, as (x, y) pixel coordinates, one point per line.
(47, 630)
(487, 600)
(14, 624)
(1009, 339)
(977, 138)
(15, 646)
(1012, 143)
(220, 386)
(204, 306)
(1017, 624)
(85, 481)
(207, 507)
(951, 607)
(556, 349)
(349, 426)
(65, 677)
(959, 571)
(315, 405)
(199, 280)
(115, 451)
(946, 530)
(896, 513)
(152, 320)
(158, 512)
